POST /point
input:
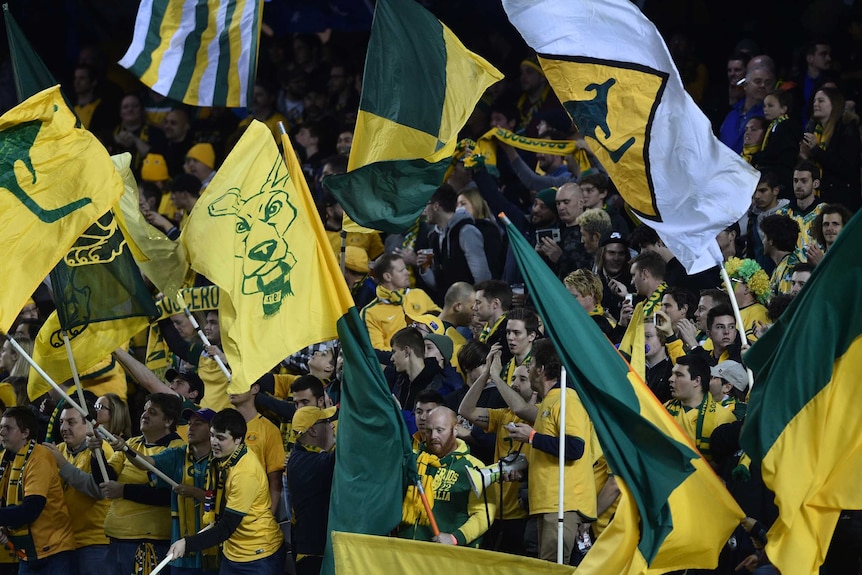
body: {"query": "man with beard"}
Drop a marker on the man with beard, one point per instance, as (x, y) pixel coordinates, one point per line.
(461, 515)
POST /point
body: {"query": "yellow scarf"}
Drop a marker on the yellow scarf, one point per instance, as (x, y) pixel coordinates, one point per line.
(395, 297)
(654, 301)
(484, 150)
(490, 329)
(772, 126)
(707, 412)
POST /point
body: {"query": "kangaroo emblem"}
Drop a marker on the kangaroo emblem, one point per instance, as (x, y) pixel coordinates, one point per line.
(590, 115)
(262, 221)
(15, 145)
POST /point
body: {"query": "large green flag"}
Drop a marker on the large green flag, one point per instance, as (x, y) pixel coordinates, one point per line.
(419, 88)
(803, 425)
(102, 302)
(31, 74)
(667, 486)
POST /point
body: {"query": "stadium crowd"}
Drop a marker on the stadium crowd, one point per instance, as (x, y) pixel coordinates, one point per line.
(448, 316)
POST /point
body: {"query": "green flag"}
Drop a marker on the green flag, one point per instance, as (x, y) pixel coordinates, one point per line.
(102, 302)
(419, 88)
(803, 426)
(30, 73)
(669, 487)
(374, 460)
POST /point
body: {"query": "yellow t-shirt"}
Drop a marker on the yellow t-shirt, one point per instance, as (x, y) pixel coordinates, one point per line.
(131, 520)
(264, 440)
(579, 482)
(7, 395)
(51, 532)
(498, 419)
(247, 494)
(215, 385)
(750, 316)
(88, 514)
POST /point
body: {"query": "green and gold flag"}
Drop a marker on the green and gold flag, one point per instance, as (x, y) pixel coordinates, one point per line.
(419, 88)
(55, 180)
(101, 300)
(667, 487)
(803, 425)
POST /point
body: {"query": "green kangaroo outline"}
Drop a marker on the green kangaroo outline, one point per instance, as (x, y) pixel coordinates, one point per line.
(15, 145)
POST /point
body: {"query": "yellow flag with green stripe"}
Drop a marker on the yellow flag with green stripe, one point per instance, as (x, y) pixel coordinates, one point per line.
(419, 88)
(55, 180)
(200, 52)
(803, 425)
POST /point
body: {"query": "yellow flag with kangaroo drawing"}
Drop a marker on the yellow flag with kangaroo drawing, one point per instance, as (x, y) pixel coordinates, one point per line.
(252, 233)
(55, 180)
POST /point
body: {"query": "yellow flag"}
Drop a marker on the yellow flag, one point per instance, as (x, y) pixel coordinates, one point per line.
(90, 347)
(160, 258)
(255, 234)
(357, 554)
(55, 180)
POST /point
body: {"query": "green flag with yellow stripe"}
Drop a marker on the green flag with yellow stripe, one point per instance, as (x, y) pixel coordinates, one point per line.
(419, 88)
(803, 425)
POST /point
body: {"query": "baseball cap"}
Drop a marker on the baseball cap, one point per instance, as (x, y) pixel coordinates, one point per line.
(432, 322)
(613, 237)
(356, 259)
(732, 372)
(193, 379)
(205, 413)
(307, 416)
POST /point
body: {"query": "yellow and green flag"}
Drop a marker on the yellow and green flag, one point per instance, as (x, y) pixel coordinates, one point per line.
(251, 234)
(667, 487)
(419, 88)
(160, 258)
(200, 52)
(803, 425)
(55, 180)
(101, 300)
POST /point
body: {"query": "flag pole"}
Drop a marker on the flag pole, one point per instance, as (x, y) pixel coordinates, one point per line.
(561, 513)
(737, 315)
(202, 335)
(96, 425)
(100, 456)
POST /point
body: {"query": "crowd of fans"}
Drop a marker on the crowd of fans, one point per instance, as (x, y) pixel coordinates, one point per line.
(448, 316)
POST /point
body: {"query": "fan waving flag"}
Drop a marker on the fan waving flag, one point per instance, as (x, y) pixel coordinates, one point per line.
(419, 88)
(200, 52)
(614, 75)
(667, 487)
(102, 302)
(803, 423)
(55, 180)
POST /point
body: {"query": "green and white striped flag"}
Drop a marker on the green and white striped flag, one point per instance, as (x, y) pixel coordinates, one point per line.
(200, 52)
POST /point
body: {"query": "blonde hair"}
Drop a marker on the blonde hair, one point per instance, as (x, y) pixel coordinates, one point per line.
(586, 282)
(481, 210)
(595, 221)
(121, 421)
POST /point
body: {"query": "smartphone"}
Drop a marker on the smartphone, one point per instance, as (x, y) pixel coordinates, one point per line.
(553, 233)
(629, 297)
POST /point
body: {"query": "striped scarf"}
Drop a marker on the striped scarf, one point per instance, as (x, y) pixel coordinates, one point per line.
(653, 303)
